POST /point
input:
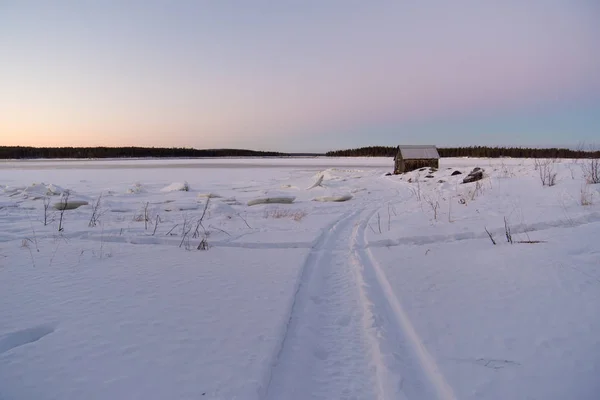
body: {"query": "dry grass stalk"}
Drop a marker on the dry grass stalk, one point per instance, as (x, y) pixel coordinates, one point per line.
(199, 222)
(278, 213)
(434, 204)
(64, 201)
(507, 232)
(46, 207)
(156, 224)
(490, 235)
(96, 212)
(244, 219)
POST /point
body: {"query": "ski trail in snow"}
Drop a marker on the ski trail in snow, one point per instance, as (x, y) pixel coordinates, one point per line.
(305, 271)
(326, 353)
(348, 336)
(405, 367)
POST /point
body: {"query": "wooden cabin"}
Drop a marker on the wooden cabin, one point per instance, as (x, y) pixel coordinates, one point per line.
(409, 158)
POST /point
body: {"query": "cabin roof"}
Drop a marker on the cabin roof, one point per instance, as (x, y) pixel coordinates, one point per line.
(418, 152)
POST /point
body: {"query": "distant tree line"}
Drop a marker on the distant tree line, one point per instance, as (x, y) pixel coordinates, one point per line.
(473, 151)
(371, 151)
(19, 152)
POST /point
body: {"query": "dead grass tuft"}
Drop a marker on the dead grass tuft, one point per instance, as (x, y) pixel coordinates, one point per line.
(296, 215)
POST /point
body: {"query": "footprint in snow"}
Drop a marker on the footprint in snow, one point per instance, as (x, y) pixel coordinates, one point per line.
(23, 337)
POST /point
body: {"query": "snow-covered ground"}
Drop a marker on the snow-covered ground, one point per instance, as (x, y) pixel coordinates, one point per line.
(343, 283)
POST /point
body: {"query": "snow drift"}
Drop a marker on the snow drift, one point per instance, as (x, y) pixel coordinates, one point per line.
(334, 198)
(176, 187)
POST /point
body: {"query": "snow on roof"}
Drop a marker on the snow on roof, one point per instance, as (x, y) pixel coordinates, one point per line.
(418, 152)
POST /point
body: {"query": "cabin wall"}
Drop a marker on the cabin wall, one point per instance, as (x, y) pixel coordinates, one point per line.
(411, 165)
(398, 165)
(401, 165)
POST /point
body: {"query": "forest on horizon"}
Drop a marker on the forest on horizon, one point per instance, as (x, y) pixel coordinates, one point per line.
(24, 152)
(473, 151)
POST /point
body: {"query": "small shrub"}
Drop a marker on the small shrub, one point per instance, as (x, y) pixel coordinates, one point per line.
(203, 245)
(591, 170)
(434, 204)
(546, 171)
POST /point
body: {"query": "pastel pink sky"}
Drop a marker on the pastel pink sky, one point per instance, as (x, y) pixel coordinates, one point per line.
(305, 76)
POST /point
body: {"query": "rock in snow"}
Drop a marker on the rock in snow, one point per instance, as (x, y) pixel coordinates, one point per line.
(475, 175)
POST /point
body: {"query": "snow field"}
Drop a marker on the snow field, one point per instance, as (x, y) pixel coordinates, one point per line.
(510, 321)
(395, 293)
(133, 323)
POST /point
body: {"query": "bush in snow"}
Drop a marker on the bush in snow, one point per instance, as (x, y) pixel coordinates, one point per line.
(546, 171)
(96, 212)
(591, 170)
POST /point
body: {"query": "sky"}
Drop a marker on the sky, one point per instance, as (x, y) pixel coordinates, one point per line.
(305, 76)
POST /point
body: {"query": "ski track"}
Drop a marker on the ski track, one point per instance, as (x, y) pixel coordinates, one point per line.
(347, 336)
(406, 370)
(326, 352)
(315, 245)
